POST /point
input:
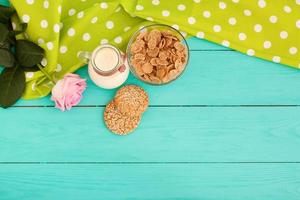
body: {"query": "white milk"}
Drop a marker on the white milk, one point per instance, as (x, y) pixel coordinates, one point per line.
(106, 59)
(103, 67)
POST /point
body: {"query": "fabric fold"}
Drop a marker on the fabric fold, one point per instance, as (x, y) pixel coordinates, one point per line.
(262, 28)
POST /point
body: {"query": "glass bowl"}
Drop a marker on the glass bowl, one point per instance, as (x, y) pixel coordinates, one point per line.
(153, 77)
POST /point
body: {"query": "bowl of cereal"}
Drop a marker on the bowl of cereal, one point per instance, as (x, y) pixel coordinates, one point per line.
(157, 54)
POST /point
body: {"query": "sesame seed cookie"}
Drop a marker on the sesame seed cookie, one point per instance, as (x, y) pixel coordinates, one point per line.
(119, 123)
(131, 100)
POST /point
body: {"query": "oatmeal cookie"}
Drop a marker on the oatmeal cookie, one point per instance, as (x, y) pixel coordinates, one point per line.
(131, 100)
(119, 123)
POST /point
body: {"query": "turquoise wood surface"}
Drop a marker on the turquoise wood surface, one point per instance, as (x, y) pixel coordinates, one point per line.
(184, 134)
(150, 181)
(228, 129)
(213, 78)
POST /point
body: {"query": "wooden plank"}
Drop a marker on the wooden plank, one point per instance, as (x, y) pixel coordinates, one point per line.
(178, 134)
(213, 78)
(204, 181)
(204, 45)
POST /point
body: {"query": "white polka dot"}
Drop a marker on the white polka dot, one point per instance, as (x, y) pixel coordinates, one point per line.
(118, 40)
(139, 7)
(44, 23)
(283, 34)
(242, 36)
(293, 50)
(247, 12)
(104, 41)
(222, 5)
(94, 20)
(46, 4)
(72, 12)
(150, 19)
(155, 2)
(50, 45)
(181, 7)
(33, 86)
(41, 41)
(110, 24)
(63, 49)
(287, 9)
(127, 28)
(86, 37)
(184, 34)
(225, 43)
(250, 52)
(298, 23)
(104, 5)
(25, 18)
(59, 9)
(267, 44)
(262, 3)
(276, 59)
(235, 1)
(56, 28)
(257, 28)
(232, 20)
(30, 2)
(71, 32)
(191, 20)
(217, 28)
(80, 15)
(44, 62)
(14, 25)
(200, 34)
(175, 26)
(273, 19)
(206, 14)
(197, 1)
(29, 74)
(142, 29)
(165, 13)
(58, 68)
(297, 2)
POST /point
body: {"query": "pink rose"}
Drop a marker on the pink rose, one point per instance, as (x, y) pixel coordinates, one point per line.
(68, 91)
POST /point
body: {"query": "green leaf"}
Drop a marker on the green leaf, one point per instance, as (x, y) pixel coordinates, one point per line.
(31, 69)
(12, 86)
(28, 53)
(5, 45)
(7, 59)
(6, 13)
(3, 32)
(23, 27)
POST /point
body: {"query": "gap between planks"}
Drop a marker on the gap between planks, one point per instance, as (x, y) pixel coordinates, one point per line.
(167, 106)
(142, 163)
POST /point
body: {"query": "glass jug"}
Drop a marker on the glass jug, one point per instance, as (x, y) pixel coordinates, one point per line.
(107, 66)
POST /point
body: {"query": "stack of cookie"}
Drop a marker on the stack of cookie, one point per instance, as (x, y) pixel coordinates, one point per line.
(123, 114)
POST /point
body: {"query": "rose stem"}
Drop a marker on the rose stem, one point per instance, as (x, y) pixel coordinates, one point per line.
(46, 73)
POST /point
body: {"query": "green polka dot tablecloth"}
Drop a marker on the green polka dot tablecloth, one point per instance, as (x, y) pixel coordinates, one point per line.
(269, 29)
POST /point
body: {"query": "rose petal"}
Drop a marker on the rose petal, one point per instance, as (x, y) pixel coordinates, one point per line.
(68, 91)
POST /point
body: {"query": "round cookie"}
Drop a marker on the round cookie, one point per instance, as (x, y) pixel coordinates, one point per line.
(119, 123)
(131, 100)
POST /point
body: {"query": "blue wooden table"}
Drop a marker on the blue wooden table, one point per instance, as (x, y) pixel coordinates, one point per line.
(228, 129)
